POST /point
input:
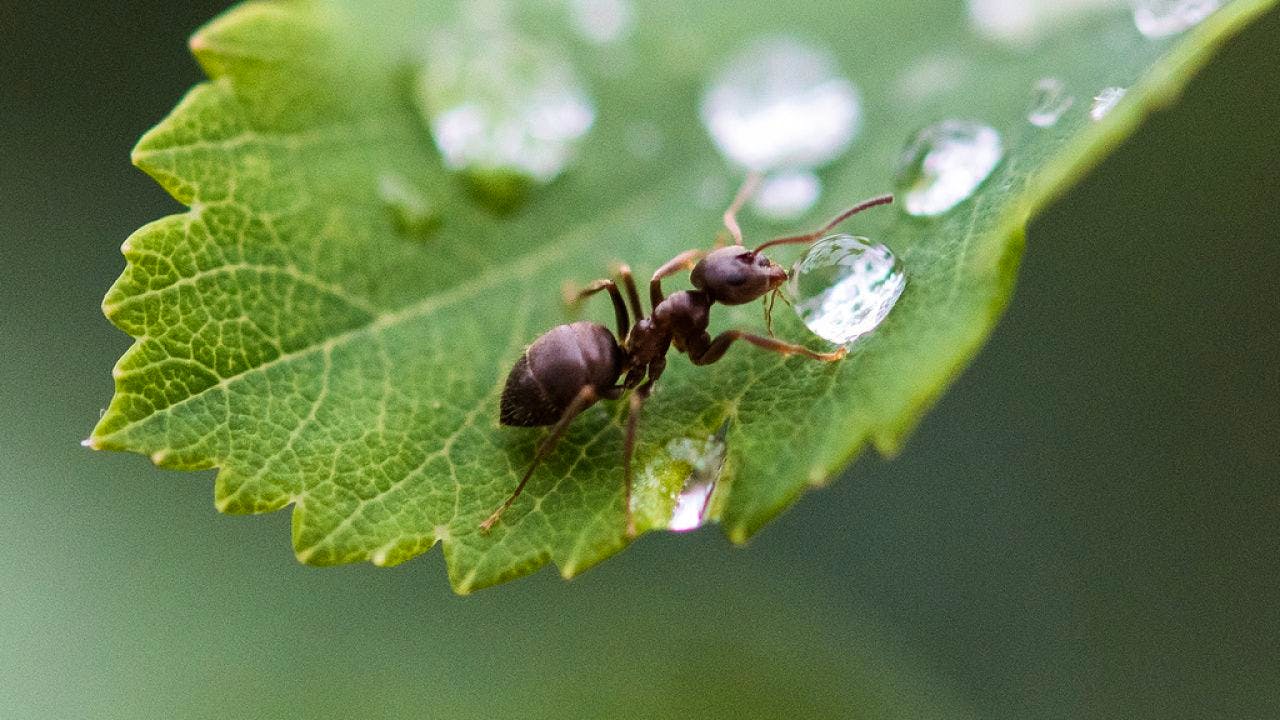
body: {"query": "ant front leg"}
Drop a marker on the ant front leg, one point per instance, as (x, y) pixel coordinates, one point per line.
(684, 261)
(629, 444)
(731, 214)
(704, 351)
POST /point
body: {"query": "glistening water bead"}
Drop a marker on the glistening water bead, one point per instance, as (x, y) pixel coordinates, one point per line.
(1162, 18)
(944, 164)
(1049, 101)
(844, 286)
(502, 110)
(781, 104)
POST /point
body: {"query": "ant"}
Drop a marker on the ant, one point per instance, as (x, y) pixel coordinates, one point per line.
(571, 367)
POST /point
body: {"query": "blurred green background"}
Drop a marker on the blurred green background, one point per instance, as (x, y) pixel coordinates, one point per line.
(1086, 526)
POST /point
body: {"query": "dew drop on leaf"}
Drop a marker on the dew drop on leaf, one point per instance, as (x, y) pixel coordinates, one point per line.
(1162, 18)
(844, 287)
(601, 21)
(1104, 101)
(1049, 101)
(944, 164)
(506, 113)
(415, 216)
(781, 104)
(706, 460)
(787, 194)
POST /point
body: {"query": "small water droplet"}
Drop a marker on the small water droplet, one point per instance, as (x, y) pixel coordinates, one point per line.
(844, 286)
(1162, 18)
(412, 212)
(1049, 101)
(504, 112)
(1104, 101)
(787, 195)
(706, 460)
(944, 164)
(601, 21)
(781, 103)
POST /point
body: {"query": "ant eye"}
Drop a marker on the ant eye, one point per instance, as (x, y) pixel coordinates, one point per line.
(736, 280)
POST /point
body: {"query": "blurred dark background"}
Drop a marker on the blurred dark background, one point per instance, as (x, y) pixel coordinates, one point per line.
(1085, 527)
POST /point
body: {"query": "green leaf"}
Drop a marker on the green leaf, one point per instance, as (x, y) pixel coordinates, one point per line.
(328, 346)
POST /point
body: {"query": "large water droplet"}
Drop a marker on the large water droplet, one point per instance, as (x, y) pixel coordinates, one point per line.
(1162, 18)
(781, 104)
(601, 21)
(844, 286)
(706, 459)
(944, 164)
(787, 195)
(504, 112)
(1049, 101)
(1104, 101)
(413, 213)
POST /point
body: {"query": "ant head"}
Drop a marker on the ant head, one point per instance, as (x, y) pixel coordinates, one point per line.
(734, 275)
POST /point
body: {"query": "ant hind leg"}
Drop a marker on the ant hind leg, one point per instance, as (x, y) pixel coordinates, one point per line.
(585, 398)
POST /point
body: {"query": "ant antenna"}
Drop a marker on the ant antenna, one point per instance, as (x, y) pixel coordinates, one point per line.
(810, 237)
(731, 215)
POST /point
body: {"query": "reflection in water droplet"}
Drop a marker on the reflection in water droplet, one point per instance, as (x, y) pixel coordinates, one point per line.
(1162, 18)
(503, 111)
(601, 21)
(844, 286)
(787, 195)
(1104, 101)
(1049, 101)
(412, 212)
(779, 104)
(944, 164)
(706, 459)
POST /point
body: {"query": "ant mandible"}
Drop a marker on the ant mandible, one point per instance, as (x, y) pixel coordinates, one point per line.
(573, 366)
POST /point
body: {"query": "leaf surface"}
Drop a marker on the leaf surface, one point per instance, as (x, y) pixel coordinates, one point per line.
(292, 335)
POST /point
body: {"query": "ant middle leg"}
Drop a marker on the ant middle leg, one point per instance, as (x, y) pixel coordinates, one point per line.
(629, 444)
(619, 308)
(703, 351)
(585, 398)
(629, 284)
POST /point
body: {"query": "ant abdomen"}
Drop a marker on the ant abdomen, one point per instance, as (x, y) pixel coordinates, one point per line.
(555, 368)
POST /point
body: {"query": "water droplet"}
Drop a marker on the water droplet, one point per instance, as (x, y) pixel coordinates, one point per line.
(601, 21)
(412, 212)
(1049, 101)
(506, 113)
(944, 164)
(1162, 18)
(787, 195)
(706, 459)
(1104, 101)
(781, 103)
(1025, 22)
(844, 286)
(931, 75)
